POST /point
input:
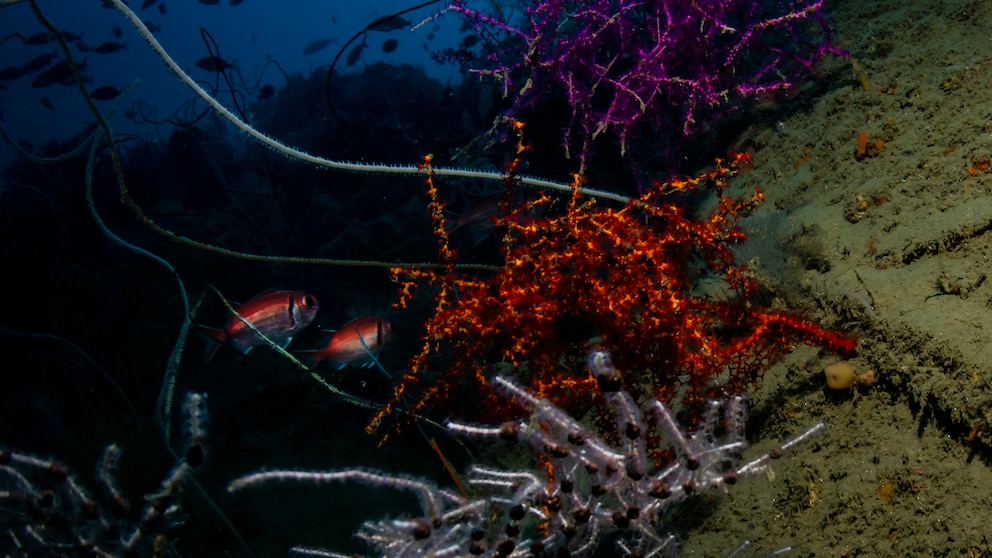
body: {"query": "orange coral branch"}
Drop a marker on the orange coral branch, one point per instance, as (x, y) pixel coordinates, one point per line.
(618, 277)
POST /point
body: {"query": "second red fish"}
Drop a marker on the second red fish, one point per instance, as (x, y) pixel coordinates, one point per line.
(345, 346)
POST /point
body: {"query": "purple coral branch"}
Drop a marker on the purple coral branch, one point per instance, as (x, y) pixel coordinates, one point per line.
(626, 64)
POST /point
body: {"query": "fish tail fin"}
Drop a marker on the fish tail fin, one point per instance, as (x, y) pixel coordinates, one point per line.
(310, 358)
(215, 338)
(476, 236)
(13, 36)
(210, 350)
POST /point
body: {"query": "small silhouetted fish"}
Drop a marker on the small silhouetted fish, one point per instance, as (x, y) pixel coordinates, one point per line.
(11, 73)
(148, 4)
(38, 63)
(108, 47)
(71, 37)
(152, 27)
(481, 216)
(105, 93)
(59, 73)
(430, 36)
(213, 64)
(161, 8)
(465, 26)
(469, 41)
(266, 91)
(317, 45)
(356, 53)
(47, 103)
(334, 20)
(117, 31)
(40, 38)
(389, 45)
(436, 28)
(388, 23)
(235, 2)
(210, 2)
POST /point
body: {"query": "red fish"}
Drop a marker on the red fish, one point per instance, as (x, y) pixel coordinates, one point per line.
(345, 347)
(279, 315)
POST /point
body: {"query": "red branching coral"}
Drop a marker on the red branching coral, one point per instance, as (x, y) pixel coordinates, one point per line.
(624, 274)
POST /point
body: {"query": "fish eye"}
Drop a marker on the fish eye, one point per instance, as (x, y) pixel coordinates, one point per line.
(310, 301)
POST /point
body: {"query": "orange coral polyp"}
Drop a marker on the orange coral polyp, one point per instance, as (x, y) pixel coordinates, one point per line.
(626, 272)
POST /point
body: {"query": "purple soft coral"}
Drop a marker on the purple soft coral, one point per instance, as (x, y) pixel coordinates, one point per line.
(627, 64)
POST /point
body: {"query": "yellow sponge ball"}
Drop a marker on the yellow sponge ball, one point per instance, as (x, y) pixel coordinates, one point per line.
(840, 375)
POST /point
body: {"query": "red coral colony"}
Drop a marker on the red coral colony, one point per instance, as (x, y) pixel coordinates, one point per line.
(622, 276)
(584, 274)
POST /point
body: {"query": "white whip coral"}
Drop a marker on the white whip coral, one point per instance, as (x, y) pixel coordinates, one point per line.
(588, 491)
